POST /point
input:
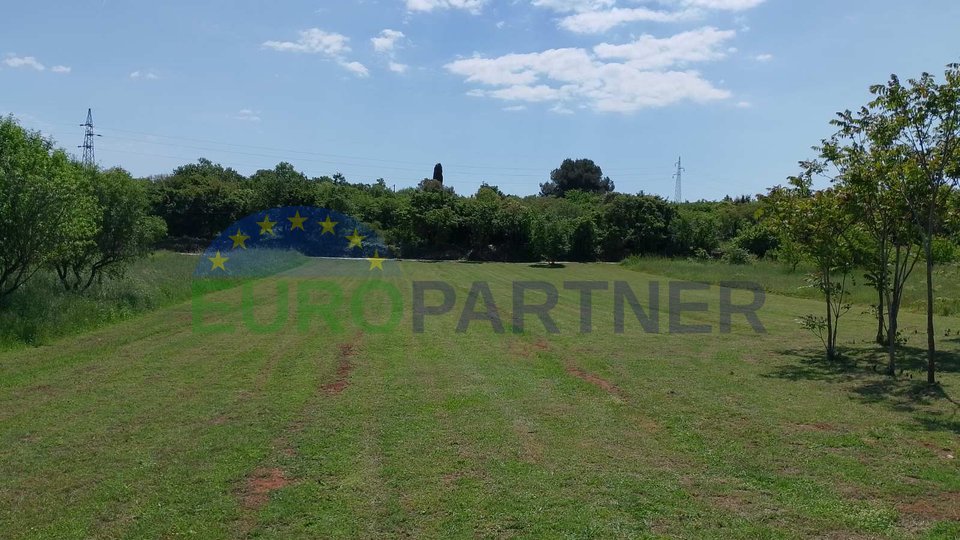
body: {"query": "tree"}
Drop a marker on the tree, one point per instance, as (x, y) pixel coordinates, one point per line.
(44, 208)
(201, 199)
(582, 174)
(124, 231)
(818, 224)
(438, 173)
(635, 225)
(282, 186)
(880, 181)
(923, 118)
(550, 239)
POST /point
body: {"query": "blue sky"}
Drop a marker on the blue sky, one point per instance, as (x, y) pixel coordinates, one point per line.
(497, 90)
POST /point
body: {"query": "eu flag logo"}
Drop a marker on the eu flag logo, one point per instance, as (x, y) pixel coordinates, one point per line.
(279, 239)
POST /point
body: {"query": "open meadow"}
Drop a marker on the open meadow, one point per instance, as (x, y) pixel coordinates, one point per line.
(232, 422)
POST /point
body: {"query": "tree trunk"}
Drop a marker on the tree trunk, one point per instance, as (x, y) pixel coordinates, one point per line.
(880, 337)
(830, 352)
(892, 337)
(931, 339)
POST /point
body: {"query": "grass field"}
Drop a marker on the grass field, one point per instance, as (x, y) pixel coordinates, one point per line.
(780, 279)
(156, 427)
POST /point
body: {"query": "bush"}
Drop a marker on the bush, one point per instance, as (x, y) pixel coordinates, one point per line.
(737, 255)
(945, 251)
(757, 240)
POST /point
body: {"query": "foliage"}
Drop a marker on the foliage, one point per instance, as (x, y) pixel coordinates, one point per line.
(918, 123)
(817, 223)
(581, 174)
(736, 255)
(45, 210)
(550, 239)
(124, 231)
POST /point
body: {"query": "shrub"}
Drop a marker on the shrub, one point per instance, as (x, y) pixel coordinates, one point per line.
(737, 255)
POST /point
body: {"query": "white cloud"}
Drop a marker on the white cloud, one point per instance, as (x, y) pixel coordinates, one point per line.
(598, 16)
(617, 78)
(725, 5)
(30, 62)
(766, 57)
(61, 69)
(148, 75)
(596, 22)
(386, 44)
(649, 52)
(472, 6)
(329, 44)
(356, 68)
(515, 108)
(247, 115)
(313, 41)
(564, 6)
(387, 41)
(744, 105)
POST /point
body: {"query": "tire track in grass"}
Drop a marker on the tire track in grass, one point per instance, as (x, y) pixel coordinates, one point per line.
(270, 477)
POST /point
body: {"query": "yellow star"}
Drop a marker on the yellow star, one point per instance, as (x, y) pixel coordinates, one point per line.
(240, 240)
(218, 262)
(376, 261)
(296, 222)
(355, 239)
(328, 226)
(266, 226)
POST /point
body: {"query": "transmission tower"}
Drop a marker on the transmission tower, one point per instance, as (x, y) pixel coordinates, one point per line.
(89, 160)
(678, 197)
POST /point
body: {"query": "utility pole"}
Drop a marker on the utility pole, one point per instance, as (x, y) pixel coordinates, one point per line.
(89, 160)
(678, 197)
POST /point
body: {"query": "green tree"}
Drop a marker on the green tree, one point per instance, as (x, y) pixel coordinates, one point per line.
(201, 199)
(282, 186)
(582, 174)
(923, 118)
(124, 230)
(636, 225)
(44, 208)
(817, 223)
(550, 239)
(880, 180)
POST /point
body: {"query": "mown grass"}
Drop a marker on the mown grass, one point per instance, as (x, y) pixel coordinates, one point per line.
(151, 428)
(781, 279)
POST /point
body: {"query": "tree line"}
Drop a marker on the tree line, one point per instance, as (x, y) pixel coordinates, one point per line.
(577, 217)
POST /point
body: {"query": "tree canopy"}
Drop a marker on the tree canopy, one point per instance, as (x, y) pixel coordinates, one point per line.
(581, 175)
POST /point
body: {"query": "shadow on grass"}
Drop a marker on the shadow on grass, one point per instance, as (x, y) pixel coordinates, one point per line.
(553, 266)
(861, 371)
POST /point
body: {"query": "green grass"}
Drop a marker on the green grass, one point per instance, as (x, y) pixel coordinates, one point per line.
(148, 428)
(780, 279)
(42, 311)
